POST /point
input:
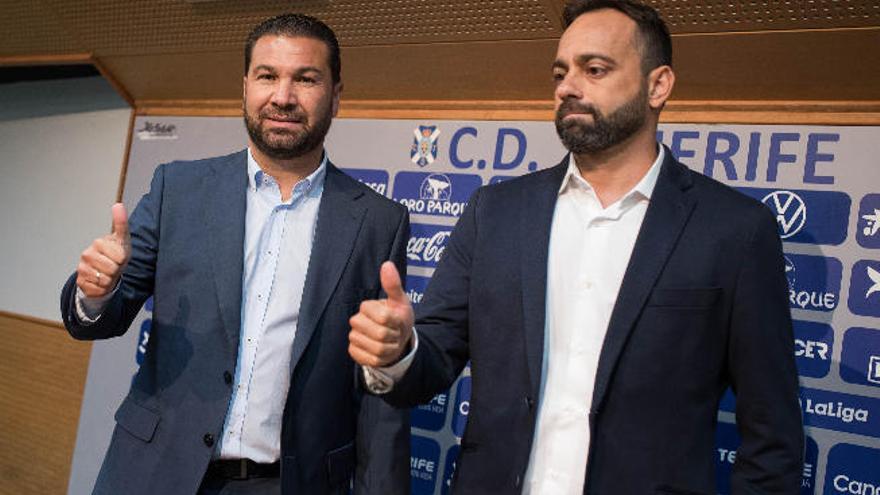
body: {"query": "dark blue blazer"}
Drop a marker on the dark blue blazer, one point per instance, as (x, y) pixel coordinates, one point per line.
(703, 306)
(187, 238)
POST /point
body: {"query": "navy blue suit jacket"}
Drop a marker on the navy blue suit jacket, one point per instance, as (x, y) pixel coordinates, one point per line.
(702, 306)
(187, 237)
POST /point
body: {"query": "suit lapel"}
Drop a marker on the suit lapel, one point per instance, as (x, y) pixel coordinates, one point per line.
(225, 191)
(667, 214)
(339, 221)
(536, 220)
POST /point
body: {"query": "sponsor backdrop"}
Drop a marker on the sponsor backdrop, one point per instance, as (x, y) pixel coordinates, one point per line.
(823, 184)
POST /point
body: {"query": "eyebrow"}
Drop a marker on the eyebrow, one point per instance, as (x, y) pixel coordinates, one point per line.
(300, 71)
(583, 59)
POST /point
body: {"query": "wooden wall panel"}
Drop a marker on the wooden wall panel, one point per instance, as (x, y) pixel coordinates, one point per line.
(44, 373)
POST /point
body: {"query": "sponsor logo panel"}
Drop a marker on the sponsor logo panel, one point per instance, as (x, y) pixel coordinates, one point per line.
(431, 416)
(813, 281)
(449, 469)
(853, 470)
(811, 217)
(860, 357)
(376, 180)
(864, 288)
(813, 346)
(438, 194)
(144, 335)
(415, 288)
(727, 441)
(868, 224)
(462, 406)
(423, 465)
(426, 244)
(841, 412)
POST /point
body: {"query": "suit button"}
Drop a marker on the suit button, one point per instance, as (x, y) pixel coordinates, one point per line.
(517, 482)
(530, 402)
(208, 439)
(227, 377)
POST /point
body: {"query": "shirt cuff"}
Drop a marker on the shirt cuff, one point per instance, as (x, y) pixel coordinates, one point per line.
(90, 309)
(382, 380)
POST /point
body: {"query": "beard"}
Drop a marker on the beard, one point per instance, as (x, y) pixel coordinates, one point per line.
(285, 144)
(606, 130)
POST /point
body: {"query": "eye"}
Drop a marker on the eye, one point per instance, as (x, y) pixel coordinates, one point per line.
(265, 76)
(558, 77)
(596, 70)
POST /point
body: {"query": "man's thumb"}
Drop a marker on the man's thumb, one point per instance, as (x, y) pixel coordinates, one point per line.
(120, 222)
(390, 279)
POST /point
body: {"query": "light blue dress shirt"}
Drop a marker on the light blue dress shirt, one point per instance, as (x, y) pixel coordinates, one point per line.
(278, 244)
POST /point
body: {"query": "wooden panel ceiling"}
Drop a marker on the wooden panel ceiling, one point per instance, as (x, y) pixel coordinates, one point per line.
(458, 49)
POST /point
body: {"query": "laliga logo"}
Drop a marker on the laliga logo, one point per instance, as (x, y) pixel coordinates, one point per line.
(436, 187)
(790, 211)
(427, 249)
(424, 147)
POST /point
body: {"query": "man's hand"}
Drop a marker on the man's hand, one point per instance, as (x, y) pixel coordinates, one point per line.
(101, 264)
(381, 331)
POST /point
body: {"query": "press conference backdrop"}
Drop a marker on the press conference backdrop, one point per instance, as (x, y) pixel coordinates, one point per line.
(823, 184)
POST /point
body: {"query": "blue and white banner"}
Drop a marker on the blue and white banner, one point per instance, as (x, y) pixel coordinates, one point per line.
(822, 184)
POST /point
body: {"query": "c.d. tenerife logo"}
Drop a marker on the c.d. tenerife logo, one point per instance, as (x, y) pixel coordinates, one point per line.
(424, 147)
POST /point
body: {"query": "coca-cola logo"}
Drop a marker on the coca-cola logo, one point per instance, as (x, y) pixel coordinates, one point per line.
(427, 249)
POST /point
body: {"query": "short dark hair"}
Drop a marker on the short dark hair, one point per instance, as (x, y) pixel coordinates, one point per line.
(296, 25)
(654, 39)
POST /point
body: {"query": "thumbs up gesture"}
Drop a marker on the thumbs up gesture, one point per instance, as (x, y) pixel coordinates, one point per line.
(381, 330)
(101, 264)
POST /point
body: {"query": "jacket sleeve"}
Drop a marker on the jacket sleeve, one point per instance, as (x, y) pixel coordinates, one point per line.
(383, 431)
(762, 371)
(137, 279)
(442, 319)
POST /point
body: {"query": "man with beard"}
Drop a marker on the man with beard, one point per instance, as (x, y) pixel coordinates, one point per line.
(255, 261)
(604, 304)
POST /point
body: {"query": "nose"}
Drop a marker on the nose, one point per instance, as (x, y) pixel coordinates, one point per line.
(567, 87)
(284, 95)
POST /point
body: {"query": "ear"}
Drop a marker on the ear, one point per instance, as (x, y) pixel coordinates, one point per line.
(337, 92)
(244, 88)
(660, 83)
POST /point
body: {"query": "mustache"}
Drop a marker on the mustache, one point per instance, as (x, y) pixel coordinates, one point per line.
(283, 114)
(569, 107)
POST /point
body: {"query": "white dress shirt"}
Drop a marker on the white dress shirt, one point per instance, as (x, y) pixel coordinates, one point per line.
(277, 247)
(589, 251)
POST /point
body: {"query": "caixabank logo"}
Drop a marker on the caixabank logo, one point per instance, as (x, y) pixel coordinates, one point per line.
(727, 441)
(813, 346)
(437, 194)
(864, 288)
(376, 180)
(852, 470)
(868, 224)
(840, 412)
(424, 463)
(813, 281)
(426, 244)
(431, 416)
(809, 217)
(860, 357)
